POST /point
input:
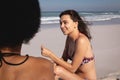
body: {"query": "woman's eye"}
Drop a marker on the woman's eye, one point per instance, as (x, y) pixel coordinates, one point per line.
(65, 22)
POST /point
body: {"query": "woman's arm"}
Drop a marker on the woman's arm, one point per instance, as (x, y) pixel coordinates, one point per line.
(80, 50)
(47, 53)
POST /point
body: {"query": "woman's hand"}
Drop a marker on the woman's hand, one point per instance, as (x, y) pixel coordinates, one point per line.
(45, 52)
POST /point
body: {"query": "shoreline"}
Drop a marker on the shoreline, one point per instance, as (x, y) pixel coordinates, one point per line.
(111, 76)
(105, 42)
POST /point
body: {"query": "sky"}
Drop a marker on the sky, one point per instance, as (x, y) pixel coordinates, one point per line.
(80, 5)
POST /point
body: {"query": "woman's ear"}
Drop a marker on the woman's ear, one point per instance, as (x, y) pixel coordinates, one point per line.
(76, 24)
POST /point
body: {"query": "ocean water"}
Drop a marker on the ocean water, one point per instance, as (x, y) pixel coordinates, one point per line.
(52, 17)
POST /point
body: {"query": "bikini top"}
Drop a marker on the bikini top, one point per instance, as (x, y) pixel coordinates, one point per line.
(3, 55)
(72, 51)
(84, 61)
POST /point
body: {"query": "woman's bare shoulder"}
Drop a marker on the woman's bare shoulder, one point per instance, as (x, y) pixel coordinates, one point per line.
(39, 60)
(82, 39)
(39, 67)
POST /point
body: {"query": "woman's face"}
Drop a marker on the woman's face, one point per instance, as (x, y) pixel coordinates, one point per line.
(66, 24)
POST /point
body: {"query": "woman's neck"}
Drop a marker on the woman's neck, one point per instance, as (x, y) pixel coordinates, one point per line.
(74, 35)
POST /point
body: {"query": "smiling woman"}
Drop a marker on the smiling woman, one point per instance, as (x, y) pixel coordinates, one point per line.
(77, 49)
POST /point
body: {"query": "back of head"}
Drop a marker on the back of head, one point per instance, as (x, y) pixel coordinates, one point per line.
(22, 22)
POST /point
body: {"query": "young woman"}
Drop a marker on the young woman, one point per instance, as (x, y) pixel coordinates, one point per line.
(77, 49)
(20, 28)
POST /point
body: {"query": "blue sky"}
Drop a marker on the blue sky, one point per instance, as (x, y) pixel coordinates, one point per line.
(80, 5)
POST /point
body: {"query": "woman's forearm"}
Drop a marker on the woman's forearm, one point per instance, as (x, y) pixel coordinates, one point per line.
(47, 53)
(60, 62)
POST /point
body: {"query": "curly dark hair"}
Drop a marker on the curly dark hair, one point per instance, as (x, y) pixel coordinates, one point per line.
(21, 24)
(82, 26)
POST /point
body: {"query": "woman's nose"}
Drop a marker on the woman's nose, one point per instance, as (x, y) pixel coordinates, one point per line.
(61, 25)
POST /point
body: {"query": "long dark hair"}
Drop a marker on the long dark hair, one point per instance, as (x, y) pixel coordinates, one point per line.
(82, 27)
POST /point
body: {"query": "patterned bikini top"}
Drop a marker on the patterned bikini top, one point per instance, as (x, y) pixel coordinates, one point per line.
(84, 61)
(71, 52)
(3, 55)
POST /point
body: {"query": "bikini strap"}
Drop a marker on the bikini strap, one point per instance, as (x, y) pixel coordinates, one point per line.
(2, 55)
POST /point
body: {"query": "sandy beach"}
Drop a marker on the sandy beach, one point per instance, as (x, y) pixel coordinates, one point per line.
(105, 42)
